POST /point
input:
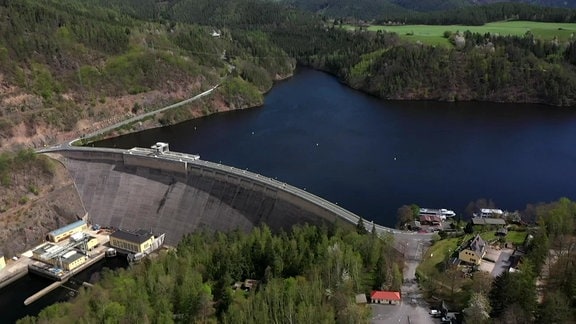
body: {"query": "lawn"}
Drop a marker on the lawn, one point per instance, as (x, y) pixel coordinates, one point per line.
(517, 238)
(437, 254)
(433, 34)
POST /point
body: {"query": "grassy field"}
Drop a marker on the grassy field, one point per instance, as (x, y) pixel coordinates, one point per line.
(433, 34)
(514, 237)
(437, 254)
(517, 238)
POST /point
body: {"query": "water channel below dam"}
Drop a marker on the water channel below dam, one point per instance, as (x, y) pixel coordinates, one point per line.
(372, 156)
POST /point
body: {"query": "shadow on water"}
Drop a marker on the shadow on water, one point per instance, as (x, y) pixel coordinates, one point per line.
(12, 297)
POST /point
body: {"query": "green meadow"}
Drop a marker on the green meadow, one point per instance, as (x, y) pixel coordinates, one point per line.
(433, 34)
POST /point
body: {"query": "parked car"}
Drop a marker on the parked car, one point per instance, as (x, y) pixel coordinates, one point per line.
(435, 313)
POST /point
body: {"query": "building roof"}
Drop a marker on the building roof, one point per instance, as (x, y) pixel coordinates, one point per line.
(488, 221)
(138, 237)
(477, 244)
(42, 249)
(430, 218)
(71, 257)
(385, 295)
(68, 227)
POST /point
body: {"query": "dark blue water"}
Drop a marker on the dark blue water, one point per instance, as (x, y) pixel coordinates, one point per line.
(372, 156)
(12, 296)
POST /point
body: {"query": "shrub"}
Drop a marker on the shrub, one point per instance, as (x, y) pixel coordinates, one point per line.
(33, 189)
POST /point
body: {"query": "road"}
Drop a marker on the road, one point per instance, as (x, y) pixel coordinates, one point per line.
(413, 308)
(142, 116)
(70, 144)
(278, 185)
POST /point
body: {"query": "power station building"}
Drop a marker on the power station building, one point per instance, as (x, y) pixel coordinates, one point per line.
(72, 260)
(59, 256)
(66, 231)
(135, 242)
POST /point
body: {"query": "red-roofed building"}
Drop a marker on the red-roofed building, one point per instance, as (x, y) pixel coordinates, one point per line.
(385, 297)
(430, 220)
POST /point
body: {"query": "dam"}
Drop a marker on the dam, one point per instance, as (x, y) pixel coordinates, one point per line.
(176, 193)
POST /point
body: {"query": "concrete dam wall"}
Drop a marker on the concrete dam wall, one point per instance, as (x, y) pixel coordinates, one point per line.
(177, 194)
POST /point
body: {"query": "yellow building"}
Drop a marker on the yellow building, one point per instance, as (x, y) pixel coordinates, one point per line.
(45, 251)
(2, 262)
(65, 232)
(474, 251)
(52, 254)
(92, 243)
(136, 242)
(71, 260)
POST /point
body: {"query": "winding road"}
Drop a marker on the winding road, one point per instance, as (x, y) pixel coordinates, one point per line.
(145, 115)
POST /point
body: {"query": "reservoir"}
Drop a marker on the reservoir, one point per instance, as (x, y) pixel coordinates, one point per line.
(372, 156)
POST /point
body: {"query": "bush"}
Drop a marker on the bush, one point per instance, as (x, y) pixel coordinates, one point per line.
(23, 200)
(33, 189)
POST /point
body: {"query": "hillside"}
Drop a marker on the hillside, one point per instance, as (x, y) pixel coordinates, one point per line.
(36, 196)
(67, 68)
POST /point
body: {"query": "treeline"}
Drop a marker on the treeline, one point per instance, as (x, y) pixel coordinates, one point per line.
(309, 275)
(479, 15)
(360, 9)
(479, 67)
(431, 11)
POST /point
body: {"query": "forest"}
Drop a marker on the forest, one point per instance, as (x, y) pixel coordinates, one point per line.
(307, 275)
(544, 290)
(67, 61)
(485, 67)
(479, 15)
(398, 10)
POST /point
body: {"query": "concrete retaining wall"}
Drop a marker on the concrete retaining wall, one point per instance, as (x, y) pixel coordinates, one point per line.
(176, 198)
(155, 163)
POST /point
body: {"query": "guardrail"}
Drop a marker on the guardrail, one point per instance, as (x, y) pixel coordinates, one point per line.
(194, 160)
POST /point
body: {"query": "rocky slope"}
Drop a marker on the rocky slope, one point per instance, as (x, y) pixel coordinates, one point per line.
(37, 196)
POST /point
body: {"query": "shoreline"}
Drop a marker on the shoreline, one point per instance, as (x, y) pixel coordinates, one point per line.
(437, 99)
(96, 136)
